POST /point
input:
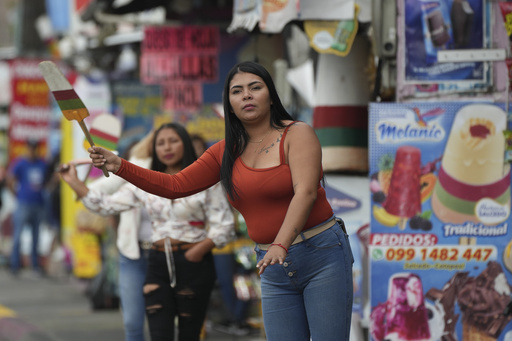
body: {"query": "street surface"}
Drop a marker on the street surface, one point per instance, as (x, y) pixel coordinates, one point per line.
(56, 309)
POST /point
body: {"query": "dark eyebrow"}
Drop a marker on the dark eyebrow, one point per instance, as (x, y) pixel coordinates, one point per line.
(250, 84)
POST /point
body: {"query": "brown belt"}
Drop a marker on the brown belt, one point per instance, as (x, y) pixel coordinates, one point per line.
(307, 234)
(174, 247)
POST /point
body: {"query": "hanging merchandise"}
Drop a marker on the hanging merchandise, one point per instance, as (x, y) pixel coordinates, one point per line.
(272, 16)
(334, 37)
(246, 14)
(59, 12)
(275, 14)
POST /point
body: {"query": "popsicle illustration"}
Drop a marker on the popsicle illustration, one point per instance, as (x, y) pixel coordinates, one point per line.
(404, 198)
(70, 104)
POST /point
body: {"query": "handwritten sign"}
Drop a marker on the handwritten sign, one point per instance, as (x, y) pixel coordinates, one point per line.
(159, 68)
(188, 53)
(188, 39)
(182, 96)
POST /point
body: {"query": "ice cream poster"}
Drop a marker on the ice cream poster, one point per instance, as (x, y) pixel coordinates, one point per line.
(431, 26)
(440, 247)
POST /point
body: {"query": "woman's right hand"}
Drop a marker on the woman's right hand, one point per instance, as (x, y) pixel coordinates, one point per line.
(67, 172)
(102, 157)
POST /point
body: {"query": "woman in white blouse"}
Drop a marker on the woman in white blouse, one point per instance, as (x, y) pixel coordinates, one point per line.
(181, 272)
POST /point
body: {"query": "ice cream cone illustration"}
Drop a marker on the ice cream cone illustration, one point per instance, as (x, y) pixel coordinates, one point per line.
(473, 167)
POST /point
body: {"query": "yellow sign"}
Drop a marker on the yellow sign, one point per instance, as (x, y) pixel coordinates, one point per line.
(334, 37)
(84, 246)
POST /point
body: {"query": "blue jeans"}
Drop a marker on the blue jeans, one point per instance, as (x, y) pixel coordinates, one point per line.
(310, 295)
(31, 215)
(132, 274)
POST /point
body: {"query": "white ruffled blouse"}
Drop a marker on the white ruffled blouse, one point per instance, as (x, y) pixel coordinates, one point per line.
(192, 219)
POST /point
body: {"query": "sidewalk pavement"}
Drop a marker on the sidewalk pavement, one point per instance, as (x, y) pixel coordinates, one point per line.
(50, 309)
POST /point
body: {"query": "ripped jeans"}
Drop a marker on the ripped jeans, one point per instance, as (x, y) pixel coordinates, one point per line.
(188, 300)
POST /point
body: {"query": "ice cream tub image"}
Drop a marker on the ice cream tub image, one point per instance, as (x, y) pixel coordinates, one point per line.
(474, 180)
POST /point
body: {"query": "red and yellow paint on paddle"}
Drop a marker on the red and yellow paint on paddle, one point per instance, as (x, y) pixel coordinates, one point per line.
(70, 104)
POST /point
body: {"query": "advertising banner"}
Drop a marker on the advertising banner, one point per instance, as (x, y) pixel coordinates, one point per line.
(436, 25)
(428, 28)
(29, 110)
(440, 249)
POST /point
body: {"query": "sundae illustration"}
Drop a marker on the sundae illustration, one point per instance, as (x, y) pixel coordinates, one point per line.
(473, 166)
(404, 315)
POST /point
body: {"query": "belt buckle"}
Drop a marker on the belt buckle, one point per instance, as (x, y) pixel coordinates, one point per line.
(146, 245)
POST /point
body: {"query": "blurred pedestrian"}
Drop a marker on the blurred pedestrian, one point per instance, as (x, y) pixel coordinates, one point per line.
(26, 180)
(199, 144)
(133, 242)
(181, 272)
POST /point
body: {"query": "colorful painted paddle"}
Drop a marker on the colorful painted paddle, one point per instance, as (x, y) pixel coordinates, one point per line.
(70, 104)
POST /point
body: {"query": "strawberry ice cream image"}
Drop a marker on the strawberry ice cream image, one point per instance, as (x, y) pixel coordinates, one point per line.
(404, 315)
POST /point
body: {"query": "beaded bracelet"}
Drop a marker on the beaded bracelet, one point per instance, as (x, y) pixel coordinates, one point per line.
(281, 245)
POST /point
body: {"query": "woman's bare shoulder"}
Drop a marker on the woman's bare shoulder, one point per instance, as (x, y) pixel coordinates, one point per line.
(299, 127)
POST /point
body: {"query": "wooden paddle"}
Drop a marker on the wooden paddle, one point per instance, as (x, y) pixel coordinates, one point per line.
(70, 104)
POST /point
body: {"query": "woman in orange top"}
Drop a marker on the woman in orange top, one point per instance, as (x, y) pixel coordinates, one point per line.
(271, 169)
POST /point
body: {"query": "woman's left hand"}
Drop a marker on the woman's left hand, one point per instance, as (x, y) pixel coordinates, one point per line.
(275, 254)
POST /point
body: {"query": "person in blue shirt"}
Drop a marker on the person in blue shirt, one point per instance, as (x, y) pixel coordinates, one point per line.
(25, 179)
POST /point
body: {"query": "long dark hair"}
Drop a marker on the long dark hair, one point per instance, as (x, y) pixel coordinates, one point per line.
(189, 155)
(236, 137)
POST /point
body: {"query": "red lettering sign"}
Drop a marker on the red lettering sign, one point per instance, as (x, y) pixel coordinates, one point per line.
(188, 54)
(203, 39)
(182, 96)
(161, 68)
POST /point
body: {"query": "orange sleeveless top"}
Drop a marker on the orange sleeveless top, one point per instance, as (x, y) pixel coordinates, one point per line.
(264, 194)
